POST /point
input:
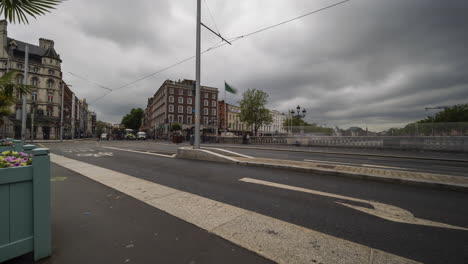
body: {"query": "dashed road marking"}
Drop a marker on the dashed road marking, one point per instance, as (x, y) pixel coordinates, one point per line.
(141, 152)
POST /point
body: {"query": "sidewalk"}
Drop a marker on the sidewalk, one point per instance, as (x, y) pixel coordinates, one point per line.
(92, 223)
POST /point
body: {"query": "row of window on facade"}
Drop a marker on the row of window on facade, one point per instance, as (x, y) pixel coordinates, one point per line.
(180, 110)
(34, 81)
(34, 69)
(189, 119)
(48, 112)
(192, 93)
(180, 100)
(50, 98)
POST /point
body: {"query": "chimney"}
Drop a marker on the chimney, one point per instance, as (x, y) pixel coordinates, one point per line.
(3, 34)
(46, 43)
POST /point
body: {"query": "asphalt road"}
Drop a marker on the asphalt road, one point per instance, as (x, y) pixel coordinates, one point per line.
(430, 162)
(220, 182)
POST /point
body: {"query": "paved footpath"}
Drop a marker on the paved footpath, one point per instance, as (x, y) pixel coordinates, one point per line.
(93, 223)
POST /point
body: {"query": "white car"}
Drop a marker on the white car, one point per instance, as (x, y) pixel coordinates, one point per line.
(141, 135)
(104, 136)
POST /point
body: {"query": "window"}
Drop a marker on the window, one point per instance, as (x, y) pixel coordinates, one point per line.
(213, 112)
(205, 111)
(171, 99)
(19, 78)
(181, 92)
(189, 110)
(171, 108)
(50, 98)
(19, 96)
(171, 119)
(213, 103)
(34, 81)
(205, 102)
(206, 95)
(213, 96)
(49, 112)
(51, 72)
(189, 120)
(189, 101)
(180, 109)
(35, 69)
(180, 119)
(50, 84)
(34, 96)
(20, 66)
(180, 100)
(190, 93)
(171, 90)
(205, 120)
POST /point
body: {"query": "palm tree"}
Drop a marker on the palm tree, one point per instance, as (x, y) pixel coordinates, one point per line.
(7, 92)
(18, 10)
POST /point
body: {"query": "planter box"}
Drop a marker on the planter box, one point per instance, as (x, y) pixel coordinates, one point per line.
(25, 209)
(6, 149)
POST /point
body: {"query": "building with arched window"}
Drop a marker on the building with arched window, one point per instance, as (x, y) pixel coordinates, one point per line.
(45, 77)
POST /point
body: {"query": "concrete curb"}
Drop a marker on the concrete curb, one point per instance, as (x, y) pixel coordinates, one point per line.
(348, 153)
(203, 154)
(387, 179)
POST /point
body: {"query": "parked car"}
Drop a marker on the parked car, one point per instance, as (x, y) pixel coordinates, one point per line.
(104, 136)
(130, 137)
(141, 135)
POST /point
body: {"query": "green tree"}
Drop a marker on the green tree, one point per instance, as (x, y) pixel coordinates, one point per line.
(8, 88)
(253, 110)
(133, 119)
(19, 10)
(100, 127)
(176, 127)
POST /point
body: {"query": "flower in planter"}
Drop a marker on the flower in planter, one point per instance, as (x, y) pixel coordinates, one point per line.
(6, 143)
(14, 159)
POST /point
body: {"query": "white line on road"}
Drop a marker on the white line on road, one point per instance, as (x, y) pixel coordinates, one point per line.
(274, 239)
(385, 211)
(141, 152)
(357, 164)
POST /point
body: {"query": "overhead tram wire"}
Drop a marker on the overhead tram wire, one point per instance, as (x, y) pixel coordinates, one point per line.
(83, 78)
(212, 18)
(234, 39)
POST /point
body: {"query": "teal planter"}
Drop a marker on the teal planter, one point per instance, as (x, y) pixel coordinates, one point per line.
(25, 209)
(6, 149)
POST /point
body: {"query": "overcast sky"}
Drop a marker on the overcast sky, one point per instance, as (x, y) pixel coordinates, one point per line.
(365, 62)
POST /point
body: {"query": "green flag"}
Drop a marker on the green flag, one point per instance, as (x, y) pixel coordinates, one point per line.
(228, 88)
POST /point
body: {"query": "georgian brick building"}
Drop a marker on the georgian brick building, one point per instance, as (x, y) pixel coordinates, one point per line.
(174, 102)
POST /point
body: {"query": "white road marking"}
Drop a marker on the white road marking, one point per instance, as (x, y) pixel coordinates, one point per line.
(358, 164)
(385, 211)
(96, 155)
(277, 240)
(141, 152)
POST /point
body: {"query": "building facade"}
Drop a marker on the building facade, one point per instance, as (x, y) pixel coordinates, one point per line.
(43, 109)
(174, 102)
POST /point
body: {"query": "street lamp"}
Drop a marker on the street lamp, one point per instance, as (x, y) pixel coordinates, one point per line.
(298, 114)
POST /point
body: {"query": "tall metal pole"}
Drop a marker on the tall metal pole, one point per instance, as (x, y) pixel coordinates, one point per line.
(73, 117)
(61, 115)
(25, 81)
(32, 124)
(197, 81)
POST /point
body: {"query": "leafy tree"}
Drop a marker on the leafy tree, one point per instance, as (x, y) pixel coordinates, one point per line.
(100, 127)
(176, 127)
(18, 10)
(8, 87)
(133, 119)
(253, 110)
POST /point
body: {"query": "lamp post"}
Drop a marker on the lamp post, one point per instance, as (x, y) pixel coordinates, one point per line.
(298, 114)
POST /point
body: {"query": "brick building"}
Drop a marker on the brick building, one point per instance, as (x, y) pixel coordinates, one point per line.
(174, 102)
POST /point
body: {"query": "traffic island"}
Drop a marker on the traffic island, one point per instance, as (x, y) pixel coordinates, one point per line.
(203, 154)
(25, 205)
